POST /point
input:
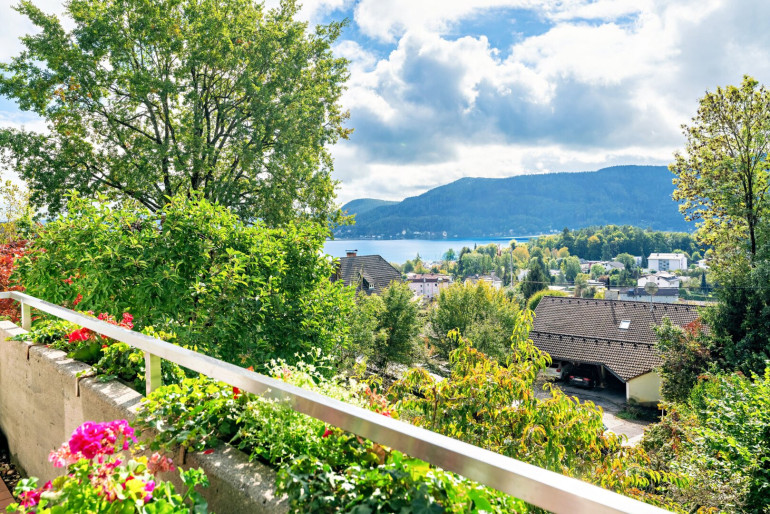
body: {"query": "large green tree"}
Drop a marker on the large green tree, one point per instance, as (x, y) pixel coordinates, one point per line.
(151, 98)
(479, 311)
(722, 176)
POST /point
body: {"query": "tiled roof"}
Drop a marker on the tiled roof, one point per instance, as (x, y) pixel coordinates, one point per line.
(582, 330)
(373, 269)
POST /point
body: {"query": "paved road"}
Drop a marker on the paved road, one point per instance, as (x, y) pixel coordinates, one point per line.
(611, 403)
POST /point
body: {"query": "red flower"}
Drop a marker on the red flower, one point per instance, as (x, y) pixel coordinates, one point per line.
(77, 300)
(387, 413)
(250, 368)
(327, 433)
(208, 452)
(68, 281)
(79, 335)
(236, 393)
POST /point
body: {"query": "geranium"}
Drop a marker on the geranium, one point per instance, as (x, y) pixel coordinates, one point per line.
(100, 479)
(79, 335)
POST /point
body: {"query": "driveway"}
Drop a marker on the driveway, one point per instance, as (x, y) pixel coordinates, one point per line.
(611, 402)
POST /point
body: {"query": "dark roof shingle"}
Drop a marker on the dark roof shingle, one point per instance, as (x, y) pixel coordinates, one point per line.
(373, 269)
(582, 330)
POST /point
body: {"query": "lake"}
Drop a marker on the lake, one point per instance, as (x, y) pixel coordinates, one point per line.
(402, 250)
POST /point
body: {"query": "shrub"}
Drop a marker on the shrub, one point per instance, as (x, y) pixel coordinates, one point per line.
(240, 292)
(534, 300)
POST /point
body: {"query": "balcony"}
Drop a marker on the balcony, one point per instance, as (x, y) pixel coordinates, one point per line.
(42, 400)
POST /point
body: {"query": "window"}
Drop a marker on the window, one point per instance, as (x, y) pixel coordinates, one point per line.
(624, 324)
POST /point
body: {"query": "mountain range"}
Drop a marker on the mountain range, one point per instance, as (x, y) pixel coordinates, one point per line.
(524, 205)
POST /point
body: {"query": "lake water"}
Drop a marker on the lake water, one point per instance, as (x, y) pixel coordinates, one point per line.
(402, 250)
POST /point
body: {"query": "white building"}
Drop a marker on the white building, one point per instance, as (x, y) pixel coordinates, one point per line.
(666, 261)
(659, 279)
(428, 284)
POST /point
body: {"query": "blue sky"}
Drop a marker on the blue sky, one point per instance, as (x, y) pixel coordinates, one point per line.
(443, 89)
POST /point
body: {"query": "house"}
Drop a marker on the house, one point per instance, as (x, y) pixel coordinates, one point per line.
(615, 336)
(369, 273)
(639, 294)
(491, 279)
(666, 261)
(428, 285)
(662, 280)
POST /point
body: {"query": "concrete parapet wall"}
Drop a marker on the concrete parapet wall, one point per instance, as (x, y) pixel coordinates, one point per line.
(42, 402)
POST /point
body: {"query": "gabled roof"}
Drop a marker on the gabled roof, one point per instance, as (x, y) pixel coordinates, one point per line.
(582, 330)
(363, 271)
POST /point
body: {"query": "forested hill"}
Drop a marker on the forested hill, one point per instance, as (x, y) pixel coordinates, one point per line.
(528, 204)
(363, 205)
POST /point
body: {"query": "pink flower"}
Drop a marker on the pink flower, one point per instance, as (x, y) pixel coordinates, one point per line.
(149, 488)
(92, 439)
(159, 464)
(30, 498)
(63, 457)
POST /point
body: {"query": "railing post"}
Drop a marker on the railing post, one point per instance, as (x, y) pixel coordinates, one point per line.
(26, 316)
(152, 372)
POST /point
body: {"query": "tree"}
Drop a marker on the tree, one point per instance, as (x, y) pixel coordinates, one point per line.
(399, 325)
(450, 255)
(627, 260)
(148, 100)
(571, 267)
(478, 310)
(722, 178)
(597, 270)
(685, 356)
(536, 279)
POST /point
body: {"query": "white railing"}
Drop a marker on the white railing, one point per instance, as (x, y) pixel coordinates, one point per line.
(530, 483)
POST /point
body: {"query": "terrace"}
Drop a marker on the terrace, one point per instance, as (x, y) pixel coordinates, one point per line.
(35, 416)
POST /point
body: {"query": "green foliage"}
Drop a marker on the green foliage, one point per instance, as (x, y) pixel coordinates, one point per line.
(718, 439)
(243, 293)
(722, 177)
(571, 267)
(384, 328)
(534, 300)
(602, 243)
(597, 270)
(494, 406)
(537, 278)
(50, 332)
(320, 468)
(478, 311)
(740, 322)
(685, 353)
(399, 325)
(149, 100)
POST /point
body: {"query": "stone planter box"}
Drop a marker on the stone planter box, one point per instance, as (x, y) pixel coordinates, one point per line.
(42, 402)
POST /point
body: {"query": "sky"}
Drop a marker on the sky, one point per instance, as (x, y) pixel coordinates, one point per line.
(445, 89)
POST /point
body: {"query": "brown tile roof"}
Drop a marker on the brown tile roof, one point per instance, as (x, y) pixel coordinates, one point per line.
(370, 269)
(581, 330)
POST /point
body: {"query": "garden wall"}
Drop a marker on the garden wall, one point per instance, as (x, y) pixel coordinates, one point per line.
(42, 402)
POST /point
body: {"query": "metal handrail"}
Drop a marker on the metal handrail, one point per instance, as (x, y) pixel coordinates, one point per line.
(532, 484)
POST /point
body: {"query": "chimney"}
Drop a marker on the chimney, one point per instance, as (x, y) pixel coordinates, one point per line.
(350, 253)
